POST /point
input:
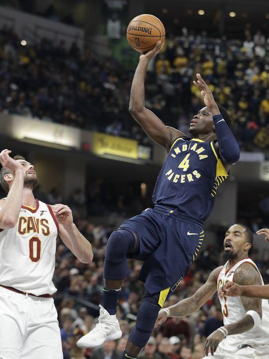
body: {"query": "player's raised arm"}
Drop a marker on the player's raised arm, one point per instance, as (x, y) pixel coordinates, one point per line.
(192, 304)
(70, 235)
(227, 145)
(150, 123)
(12, 171)
(244, 275)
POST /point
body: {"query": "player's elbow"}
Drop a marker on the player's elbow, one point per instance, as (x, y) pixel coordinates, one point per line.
(8, 222)
(231, 157)
(135, 110)
(86, 259)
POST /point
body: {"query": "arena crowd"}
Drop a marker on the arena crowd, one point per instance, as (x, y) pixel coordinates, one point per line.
(80, 89)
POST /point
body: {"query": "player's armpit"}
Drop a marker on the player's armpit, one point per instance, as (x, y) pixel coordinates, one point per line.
(155, 128)
(190, 305)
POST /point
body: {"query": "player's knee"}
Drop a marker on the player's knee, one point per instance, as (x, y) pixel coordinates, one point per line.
(146, 318)
(147, 315)
(119, 244)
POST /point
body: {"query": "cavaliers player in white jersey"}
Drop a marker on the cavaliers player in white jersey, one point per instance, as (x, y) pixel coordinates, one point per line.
(28, 230)
(245, 333)
(254, 291)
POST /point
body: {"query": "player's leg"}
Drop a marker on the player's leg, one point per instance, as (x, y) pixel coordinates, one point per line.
(11, 339)
(146, 318)
(136, 238)
(120, 244)
(12, 319)
(43, 338)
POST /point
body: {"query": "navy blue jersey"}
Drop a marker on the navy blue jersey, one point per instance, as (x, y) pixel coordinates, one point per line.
(189, 178)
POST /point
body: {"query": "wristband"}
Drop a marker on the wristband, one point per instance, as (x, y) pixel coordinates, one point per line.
(255, 316)
(218, 117)
(165, 310)
(224, 331)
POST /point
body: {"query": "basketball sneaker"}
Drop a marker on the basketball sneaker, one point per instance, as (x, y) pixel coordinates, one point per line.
(107, 328)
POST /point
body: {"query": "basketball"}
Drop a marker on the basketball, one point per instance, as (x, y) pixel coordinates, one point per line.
(144, 31)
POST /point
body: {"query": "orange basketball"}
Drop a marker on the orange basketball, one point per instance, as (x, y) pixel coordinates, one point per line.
(144, 31)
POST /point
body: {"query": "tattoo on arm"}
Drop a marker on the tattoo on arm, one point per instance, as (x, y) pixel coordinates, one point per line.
(190, 305)
(246, 274)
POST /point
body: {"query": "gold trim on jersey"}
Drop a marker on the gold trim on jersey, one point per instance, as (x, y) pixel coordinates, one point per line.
(196, 139)
(32, 208)
(221, 173)
(175, 141)
(198, 248)
(162, 297)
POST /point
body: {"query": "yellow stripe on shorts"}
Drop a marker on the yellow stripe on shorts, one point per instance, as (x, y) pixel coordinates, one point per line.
(163, 296)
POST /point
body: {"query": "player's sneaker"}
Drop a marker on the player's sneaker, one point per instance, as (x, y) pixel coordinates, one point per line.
(107, 328)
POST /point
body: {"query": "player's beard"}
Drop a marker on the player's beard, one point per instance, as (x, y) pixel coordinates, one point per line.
(228, 255)
(30, 182)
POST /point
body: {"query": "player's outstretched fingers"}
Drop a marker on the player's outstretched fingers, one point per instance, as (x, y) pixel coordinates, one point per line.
(264, 232)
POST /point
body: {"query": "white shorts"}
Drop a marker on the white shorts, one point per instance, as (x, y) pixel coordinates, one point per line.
(225, 351)
(29, 328)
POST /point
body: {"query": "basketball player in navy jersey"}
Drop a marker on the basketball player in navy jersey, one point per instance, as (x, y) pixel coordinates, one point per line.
(169, 236)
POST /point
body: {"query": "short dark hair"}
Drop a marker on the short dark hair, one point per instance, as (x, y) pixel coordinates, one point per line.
(248, 232)
(225, 115)
(4, 171)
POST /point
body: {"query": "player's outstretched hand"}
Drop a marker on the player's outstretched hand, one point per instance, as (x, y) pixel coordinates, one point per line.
(205, 92)
(230, 289)
(162, 317)
(154, 52)
(213, 341)
(63, 214)
(264, 232)
(9, 163)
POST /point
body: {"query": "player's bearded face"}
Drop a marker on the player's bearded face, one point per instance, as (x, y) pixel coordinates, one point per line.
(30, 179)
(229, 251)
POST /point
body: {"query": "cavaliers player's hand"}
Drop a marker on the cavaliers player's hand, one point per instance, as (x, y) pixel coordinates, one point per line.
(8, 162)
(154, 52)
(264, 232)
(230, 289)
(63, 214)
(162, 317)
(213, 341)
(206, 93)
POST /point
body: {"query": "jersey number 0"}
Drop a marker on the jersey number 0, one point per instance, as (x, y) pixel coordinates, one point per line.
(35, 249)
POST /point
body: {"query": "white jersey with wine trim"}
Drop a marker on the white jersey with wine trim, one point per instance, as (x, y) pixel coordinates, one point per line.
(27, 251)
(233, 311)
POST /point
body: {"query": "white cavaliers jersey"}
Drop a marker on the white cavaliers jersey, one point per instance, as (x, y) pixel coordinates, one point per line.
(233, 311)
(27, 251)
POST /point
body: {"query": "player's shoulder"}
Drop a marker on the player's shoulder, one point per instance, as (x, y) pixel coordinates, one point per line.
(174, 136)
(215, 273)
(247, 273)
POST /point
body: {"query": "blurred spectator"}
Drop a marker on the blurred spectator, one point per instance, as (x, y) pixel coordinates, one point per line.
(149, 351)
(107, 351)
(175, 327)
(185, 353)
(213, 322)
(67, 329)
(164, 348)
(175, 347)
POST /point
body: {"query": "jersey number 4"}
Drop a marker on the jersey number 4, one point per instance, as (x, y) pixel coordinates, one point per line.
(185, 164)
(35, 249)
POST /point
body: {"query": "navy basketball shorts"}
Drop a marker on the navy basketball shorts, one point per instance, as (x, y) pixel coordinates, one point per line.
(168, 244)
